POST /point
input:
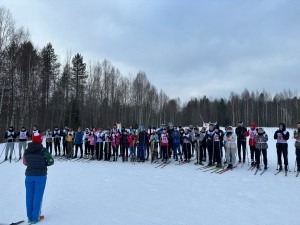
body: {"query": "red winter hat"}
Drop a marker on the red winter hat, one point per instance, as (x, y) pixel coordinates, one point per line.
(37, 138)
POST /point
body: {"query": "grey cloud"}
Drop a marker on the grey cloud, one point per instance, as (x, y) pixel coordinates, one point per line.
(197, 47)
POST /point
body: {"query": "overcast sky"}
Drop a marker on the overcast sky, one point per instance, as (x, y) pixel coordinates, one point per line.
(189, 48)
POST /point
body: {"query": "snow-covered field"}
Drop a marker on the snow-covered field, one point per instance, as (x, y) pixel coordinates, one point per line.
(104, 193)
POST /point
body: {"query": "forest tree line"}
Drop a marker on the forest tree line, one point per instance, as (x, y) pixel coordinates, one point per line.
(36, 89)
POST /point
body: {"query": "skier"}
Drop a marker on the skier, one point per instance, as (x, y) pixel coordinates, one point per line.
(131, 141)
(10, 136)
(36, 158)
(23, 137)
(159, 132)
(107, 148)
(154, 141)
(175, 137)
(86, 142)
(164, 142)
(91, 139)
(203, 131)
(241, 140)
(187, 139)
(78, 141)
(199, 136)
(64, 140)
(230, 139)
(170, 130)
(282, 136)
(115, 144)
(69, 140)
(209, 143)
(56, 138)
(124, 144)
(48, 136)
(99, 144)
(217, 145)
(297, 146)
(251, 133)
(261, 147)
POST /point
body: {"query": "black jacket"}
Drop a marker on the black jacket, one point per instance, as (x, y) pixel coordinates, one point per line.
(240, 133)
(35, 160)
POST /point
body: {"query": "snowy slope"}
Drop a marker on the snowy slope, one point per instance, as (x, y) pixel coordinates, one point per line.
(103, 193)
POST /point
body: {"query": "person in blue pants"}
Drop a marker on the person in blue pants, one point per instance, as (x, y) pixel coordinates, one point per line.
(36, 158)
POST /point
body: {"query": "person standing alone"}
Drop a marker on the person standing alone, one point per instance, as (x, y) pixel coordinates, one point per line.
(36, 158)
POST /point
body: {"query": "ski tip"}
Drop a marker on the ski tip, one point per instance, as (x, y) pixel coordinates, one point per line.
(16, 223)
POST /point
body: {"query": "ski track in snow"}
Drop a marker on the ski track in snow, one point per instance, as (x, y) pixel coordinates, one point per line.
(119, 193)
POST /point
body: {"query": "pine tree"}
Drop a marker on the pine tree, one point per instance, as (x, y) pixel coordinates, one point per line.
(78, 80)
(78, 75)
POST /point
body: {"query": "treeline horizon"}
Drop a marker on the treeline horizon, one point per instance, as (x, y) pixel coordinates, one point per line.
(37, 90)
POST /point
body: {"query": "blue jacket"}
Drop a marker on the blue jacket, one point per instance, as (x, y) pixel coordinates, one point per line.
(78, 139)
(176, 137)
(35, 160)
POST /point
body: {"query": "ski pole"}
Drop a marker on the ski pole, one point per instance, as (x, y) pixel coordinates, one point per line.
(247, 155)
(236, 154)
(221, 155)
(14, 152)
(3, 149)
(260, 152)
(213, 153)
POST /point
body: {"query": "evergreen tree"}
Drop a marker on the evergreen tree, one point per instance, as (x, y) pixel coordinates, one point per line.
(79, 75)
(78, 80)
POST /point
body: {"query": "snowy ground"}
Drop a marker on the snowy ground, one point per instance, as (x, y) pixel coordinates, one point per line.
(119, 193)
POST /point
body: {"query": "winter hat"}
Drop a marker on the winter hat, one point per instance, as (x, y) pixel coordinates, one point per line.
(253, 125)
(37, 138)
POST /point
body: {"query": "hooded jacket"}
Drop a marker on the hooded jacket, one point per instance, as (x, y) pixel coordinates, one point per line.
(35, 160)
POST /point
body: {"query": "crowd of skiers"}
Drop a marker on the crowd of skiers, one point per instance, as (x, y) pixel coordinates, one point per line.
(163, 143)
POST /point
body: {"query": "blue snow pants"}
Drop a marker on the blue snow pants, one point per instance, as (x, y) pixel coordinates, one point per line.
(35, 186)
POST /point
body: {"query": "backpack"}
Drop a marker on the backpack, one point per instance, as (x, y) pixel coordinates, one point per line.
(48, 157)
